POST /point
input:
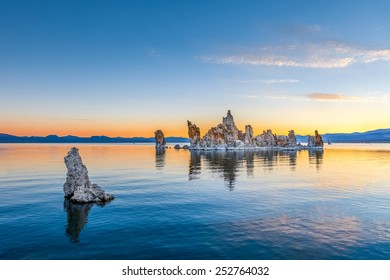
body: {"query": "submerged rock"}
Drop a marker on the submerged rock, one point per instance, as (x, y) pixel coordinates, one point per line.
(177, 147)
(77, 187)
(160, 139)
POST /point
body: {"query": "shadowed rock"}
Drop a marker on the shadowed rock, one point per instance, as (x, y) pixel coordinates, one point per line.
(292, 139)
(248, 136)
(160, 139)
(77, 187)
(315, 141)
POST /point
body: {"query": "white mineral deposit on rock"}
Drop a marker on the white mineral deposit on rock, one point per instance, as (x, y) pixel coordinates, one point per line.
(226, 135)
(77, 187)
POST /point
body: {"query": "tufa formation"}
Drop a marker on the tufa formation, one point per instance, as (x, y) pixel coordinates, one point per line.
(160, 139)
(77, 187)
(226, 135)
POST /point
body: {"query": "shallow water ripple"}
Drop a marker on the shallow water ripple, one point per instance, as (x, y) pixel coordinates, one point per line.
(198, 205)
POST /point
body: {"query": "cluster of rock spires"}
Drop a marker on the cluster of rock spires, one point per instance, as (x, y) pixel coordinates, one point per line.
(227, 136)
(77, 187)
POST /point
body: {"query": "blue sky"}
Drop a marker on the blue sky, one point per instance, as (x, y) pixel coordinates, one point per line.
(127, 68)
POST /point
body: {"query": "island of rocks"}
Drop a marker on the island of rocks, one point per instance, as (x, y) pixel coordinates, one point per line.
(77, 187)
(226, 136)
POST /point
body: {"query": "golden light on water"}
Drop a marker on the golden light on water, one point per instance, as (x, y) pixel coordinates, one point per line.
(353, 167)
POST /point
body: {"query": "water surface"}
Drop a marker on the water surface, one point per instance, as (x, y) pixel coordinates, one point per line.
(179, 204)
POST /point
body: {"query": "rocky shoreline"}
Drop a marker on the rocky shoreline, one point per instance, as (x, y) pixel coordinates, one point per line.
(226, 136)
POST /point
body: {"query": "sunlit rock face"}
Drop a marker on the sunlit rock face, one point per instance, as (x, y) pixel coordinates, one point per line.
(226, 135)
(160, 139)
(232, 134)
(315, 141)
(77, 187)
(193, 134)
(215, 137)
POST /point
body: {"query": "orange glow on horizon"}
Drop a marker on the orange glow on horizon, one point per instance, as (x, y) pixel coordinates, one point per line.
(175, 126)
(178, 129)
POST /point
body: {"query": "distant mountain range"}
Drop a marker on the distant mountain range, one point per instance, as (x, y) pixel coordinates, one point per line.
(7, 138)
(373, 136)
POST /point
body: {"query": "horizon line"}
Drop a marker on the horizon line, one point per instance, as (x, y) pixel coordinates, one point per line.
(2, 133)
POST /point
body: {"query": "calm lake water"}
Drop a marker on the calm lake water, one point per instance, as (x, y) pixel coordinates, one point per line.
(333, 204)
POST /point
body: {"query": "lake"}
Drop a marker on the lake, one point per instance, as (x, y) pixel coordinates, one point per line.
(331, 204)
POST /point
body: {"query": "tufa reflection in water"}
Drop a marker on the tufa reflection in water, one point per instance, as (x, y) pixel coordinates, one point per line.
(77, 217)
(195, 166)
(316, 157)
(229, 164)
(160, 158)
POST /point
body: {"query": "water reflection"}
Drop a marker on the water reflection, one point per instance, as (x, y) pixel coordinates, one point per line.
(194, 166)
(249, 159)
(332, 236)
(230, 164)
(292, 159)
(283, 207)
(77, 217)
(160, 158)
(316, 157)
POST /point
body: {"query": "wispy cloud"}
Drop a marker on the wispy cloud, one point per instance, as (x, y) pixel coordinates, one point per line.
(320, 97)
(298, 29)
(329, 96)
(326, 55)
(70, 119)
(153, 52)
(271, 81)
(250, 96)
(368, 97)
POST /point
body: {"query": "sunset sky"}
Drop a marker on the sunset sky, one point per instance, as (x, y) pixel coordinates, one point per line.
(127, 68)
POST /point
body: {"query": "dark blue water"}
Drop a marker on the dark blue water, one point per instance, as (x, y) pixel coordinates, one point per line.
(198, 205)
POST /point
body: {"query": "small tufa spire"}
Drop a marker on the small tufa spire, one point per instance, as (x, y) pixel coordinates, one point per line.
(78, 188)
(160, 139)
